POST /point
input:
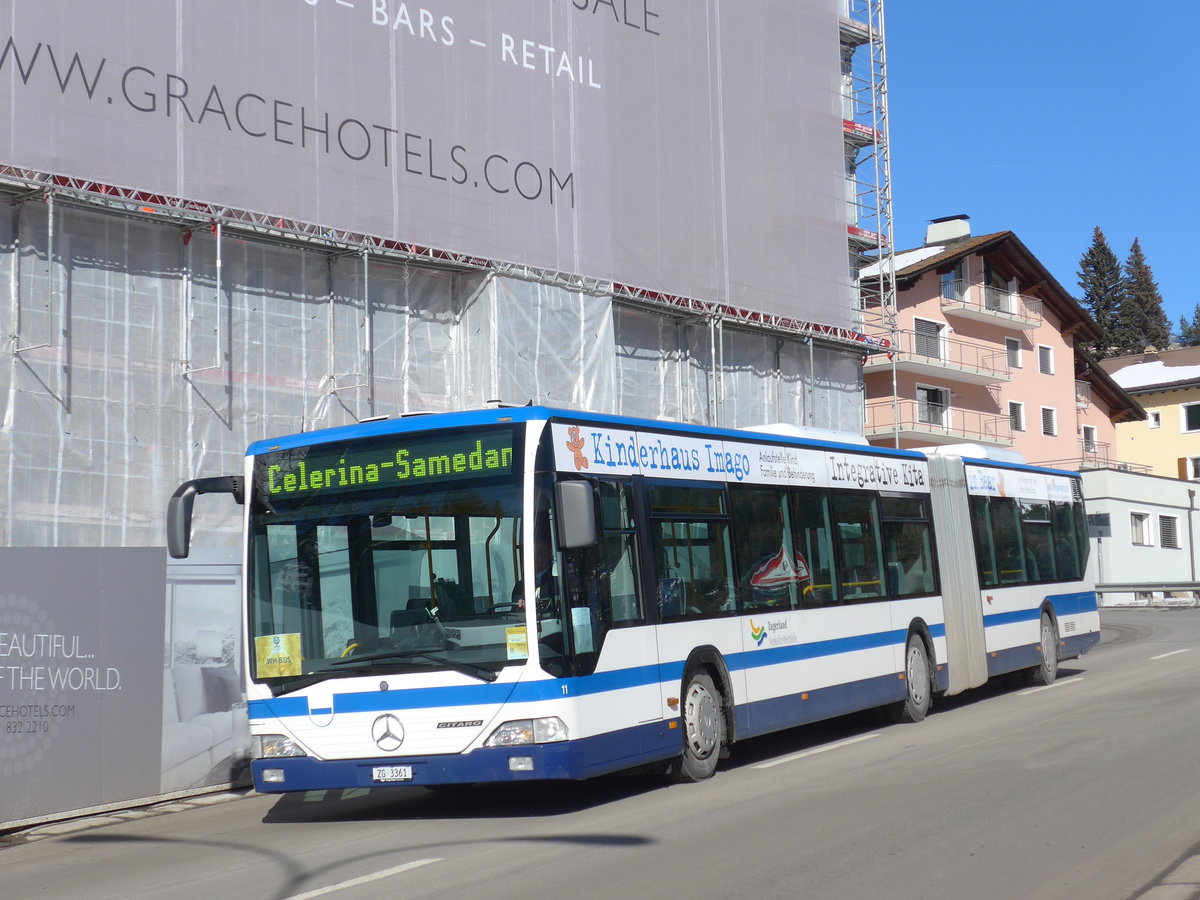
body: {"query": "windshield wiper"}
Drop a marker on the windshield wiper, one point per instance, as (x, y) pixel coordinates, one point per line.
(481, 672)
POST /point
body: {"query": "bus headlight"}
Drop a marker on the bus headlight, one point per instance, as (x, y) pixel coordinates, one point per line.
(273, 746)
(528, 731)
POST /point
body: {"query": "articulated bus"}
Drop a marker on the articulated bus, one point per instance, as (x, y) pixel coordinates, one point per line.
(530, 593)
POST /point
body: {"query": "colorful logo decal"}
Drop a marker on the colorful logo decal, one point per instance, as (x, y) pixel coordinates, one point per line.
(758, 633)
(576, 445)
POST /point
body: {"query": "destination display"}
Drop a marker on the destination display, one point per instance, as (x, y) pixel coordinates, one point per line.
(395, 461)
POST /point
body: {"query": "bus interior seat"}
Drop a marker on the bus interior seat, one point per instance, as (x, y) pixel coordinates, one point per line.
(406, 618)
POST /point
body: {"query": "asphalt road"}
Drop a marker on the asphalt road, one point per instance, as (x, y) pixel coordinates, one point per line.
(1087, 789)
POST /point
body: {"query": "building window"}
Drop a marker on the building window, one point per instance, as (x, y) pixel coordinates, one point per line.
(1049, 421)
(931, 406)
(1089, 438)
(1189, 467)
(927, 338)
(997, 290)
(1168, 532)
(1191, 416)
(1013, 346)
(1156, 419)
(1016, 415)
(1045, 359)
(954, 282)
(1139, 525)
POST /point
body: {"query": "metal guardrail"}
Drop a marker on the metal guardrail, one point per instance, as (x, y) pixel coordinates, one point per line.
(934, 420)
(964, 356)
(994, 302)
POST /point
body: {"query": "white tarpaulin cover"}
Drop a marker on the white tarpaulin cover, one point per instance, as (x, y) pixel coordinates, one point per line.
(128, 372)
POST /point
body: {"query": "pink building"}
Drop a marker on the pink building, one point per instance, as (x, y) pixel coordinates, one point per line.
(985, 352)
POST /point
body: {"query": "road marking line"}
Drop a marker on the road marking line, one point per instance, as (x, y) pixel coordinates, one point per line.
(1172, 653)
(815, 750)
(1050, 687)
(363, 879)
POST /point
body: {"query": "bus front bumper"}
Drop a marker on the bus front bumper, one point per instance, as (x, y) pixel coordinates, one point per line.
(566, 760)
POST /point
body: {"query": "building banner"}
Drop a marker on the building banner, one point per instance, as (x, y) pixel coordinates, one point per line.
(686, 146)
(81, 678)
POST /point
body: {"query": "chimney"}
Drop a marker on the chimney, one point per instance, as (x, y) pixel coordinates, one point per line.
(949, 228)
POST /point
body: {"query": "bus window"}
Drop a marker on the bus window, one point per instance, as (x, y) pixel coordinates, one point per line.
(860, 569)
(907, 547)
(812, 538)
(768, 573)
(692, 551)
(1039, 542)
(1066, 544)
(1006, 534)
(599, 586)
(985, 545)
(620, 570)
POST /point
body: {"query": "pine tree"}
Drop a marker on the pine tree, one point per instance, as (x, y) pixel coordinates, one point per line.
(1142, 316)
(1189, 332)
(1104, 291)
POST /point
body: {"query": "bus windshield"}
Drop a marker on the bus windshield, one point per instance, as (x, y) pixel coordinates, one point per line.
(389, 554)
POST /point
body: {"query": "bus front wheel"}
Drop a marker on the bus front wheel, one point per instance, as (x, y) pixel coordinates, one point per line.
(703, 715)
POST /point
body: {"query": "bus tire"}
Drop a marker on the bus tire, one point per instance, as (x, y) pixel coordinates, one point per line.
(918, 683)
(703, 719)
(1047, 670)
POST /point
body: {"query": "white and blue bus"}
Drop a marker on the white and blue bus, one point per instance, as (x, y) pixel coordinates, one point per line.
(531, 593)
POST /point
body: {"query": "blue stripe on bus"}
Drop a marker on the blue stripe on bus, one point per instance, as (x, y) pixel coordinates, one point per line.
(1062, 604)
(582, 757)
(772, 656)
(552, 689)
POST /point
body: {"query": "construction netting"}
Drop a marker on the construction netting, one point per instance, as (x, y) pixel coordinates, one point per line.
(141, 354)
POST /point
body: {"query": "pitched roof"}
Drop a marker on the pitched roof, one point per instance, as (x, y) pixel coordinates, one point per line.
(1144, 373)
(1121, 406)
(1035, 279)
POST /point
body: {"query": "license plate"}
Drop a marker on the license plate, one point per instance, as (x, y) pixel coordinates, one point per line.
(391, 773)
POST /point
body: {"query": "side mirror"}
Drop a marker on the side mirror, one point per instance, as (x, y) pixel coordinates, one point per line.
(575, 508)
(179, 509)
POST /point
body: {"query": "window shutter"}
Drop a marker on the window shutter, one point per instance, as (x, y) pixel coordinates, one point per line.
(1168, 532)
(1049, 426)
(1045, 360)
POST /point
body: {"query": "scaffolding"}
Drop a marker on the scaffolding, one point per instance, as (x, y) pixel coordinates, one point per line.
(868, 172)
(190, 214)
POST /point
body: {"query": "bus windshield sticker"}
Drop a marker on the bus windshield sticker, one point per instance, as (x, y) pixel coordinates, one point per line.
(581, 621)
(517, 640)
(278, 655)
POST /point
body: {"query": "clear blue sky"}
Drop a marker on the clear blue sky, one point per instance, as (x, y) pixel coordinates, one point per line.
(1048, 118)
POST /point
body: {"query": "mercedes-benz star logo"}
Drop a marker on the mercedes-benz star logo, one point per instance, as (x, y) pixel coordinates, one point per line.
(387, 732)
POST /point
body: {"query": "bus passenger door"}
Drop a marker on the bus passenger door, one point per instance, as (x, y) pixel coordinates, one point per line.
(606, 610)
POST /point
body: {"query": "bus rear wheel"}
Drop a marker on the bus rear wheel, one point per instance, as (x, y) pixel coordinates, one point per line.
(1047, 670)
(919, 683)
(703, 715)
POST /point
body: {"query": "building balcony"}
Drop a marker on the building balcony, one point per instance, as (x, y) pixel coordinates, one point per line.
(963, 362)
(996, 306)
(931, 423)
(1095, 455)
